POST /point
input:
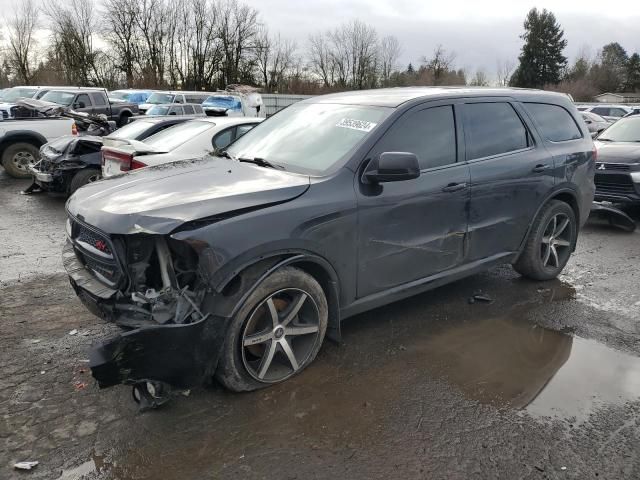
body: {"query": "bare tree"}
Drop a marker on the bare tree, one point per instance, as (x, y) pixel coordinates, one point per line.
(479, 79)
(155, 21)
(22, 43)
(122, 33)
(321, 59)
(274, 56)
(504, 71)
(238, 29)
(73, 25)
(389, 54)
(440, 64)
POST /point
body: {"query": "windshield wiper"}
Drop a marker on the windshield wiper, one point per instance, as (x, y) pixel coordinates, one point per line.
(604, 139)
(261, 162)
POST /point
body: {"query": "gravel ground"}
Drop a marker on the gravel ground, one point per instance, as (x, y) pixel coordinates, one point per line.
(542, 382)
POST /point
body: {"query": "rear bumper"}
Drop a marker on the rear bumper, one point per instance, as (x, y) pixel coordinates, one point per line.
(181, 356)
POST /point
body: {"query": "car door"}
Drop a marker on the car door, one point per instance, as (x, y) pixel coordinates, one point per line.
(83, 103)
(99, 103)
(511, 174)
(412, 229)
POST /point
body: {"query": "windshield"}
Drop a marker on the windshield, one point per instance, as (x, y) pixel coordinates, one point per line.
(224, 101)
(62, 98)
(309, 137)
(173, 137)
(16, 93)
(159, 98)
(624, 130)
(132, 130)
(158, 110)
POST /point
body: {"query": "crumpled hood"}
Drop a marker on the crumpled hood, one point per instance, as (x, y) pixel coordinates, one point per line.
(160, 199)
(60, 149)
(622, 152)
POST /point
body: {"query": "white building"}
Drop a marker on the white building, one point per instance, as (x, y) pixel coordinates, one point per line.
(618, 97)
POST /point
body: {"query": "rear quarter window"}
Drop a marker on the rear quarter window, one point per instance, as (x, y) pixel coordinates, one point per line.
(555, 123)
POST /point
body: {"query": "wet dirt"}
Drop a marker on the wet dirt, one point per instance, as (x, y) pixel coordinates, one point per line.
(546, 376)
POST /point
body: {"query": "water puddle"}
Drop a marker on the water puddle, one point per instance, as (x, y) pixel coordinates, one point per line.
(520, 365)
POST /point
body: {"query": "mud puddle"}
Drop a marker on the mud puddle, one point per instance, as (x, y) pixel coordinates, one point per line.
(512, 363)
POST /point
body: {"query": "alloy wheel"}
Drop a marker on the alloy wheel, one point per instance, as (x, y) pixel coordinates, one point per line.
(556, 241)
(280, 335)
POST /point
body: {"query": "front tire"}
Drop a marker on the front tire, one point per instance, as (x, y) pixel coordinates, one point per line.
(550, 243)
(17, 158)
(276, 333)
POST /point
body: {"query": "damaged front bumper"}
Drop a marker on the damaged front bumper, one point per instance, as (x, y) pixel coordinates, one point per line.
(180, 356)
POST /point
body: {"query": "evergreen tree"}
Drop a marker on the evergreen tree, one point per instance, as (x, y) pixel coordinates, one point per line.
(410, 69)
(633, 73)
(541, 59)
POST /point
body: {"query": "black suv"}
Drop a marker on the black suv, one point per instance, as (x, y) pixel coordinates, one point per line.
(238, 265)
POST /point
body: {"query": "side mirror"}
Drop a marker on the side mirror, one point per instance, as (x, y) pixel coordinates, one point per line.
(80, 105)
(392, 167)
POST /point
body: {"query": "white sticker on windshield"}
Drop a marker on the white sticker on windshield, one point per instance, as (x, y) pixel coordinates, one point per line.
(353, 124)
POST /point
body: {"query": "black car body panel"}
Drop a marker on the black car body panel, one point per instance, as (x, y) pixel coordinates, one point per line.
(162, 198)
(368, 244)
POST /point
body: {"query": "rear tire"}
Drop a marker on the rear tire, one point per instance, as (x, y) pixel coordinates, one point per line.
(88, 175)
(17, 158)
(276, 333)
(550, 243)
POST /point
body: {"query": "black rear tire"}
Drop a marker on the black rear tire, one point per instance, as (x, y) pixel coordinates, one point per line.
(88, 175)
(17, 158)
(548, 248)
(240, 365)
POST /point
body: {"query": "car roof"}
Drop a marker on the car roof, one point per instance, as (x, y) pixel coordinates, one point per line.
(174, 104)
(394, 97)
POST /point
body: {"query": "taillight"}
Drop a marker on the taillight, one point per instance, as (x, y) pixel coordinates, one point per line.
(137, 164)
(125, 160)
(74, 129)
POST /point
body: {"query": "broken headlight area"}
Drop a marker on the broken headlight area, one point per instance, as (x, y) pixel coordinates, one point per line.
(151, 286)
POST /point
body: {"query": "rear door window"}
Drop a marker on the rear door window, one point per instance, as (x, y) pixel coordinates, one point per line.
(188, 110)
(493, 129)
(430, 134)
(98, 99)
(554, 122)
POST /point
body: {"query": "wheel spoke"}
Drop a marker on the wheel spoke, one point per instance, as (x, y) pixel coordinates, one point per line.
(289, 353)
(306, 330)
(546, 240)
(258, 338)
(547, 254)
(265, 363)
(561, 227)
(562, 243)
(273, 312)
(554, 254)
(294, 309)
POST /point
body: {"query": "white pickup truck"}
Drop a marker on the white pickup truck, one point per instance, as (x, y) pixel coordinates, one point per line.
(21, 139)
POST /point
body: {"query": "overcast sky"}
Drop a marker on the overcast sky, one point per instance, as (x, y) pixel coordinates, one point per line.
(480, 32)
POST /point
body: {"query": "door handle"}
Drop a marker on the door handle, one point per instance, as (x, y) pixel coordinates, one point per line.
(454, 187)
(541, 168)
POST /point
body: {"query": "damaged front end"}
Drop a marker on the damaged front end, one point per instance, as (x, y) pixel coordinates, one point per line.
(149, 285)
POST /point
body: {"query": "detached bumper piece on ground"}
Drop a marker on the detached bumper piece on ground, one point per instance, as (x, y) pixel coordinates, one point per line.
(613, 216)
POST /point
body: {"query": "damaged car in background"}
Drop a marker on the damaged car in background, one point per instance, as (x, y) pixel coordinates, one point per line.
(235, 266)
(72, 161)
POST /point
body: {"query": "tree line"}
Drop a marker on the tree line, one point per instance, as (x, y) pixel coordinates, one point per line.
(209, 44)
